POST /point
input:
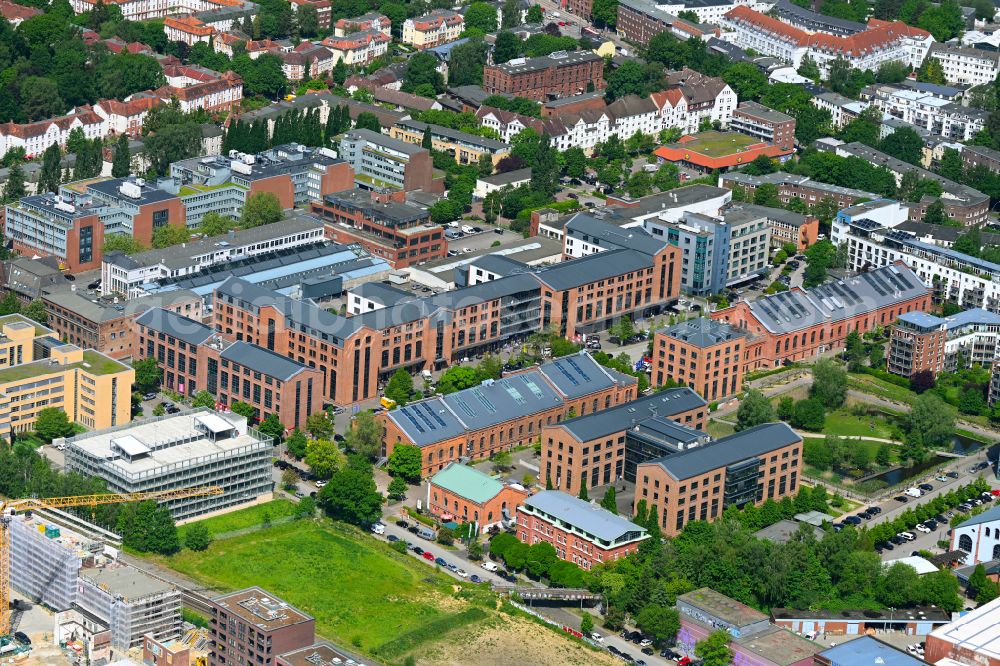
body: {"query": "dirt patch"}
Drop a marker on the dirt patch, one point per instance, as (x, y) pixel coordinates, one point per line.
(511, 641)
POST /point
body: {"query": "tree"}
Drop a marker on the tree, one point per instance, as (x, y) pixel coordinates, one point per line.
(365, 436)
(970, 243)
(289, 480)
(981, 587)
(50, 176)
(767, 195)
(261, 208)
(922, 381)
(661, 623)
(244, 409)
(307, 20)
(507, 47)
(35, 310)
(786, 407)
(931, 71)
(148, 528)
(943, 20)
(754, 410)
(855, 351)
(421, 69)
(714, 650)
(935, 213)
(124, 243)
(633, 78)
(297, 443)
(169, 235)
(876, 357)
(587, 624)
(53, 423)
(457, 378)
(905, 144)
(883, 455)
(829, 384)
(760, 165)
(406, 462)
(604, 13)
(809, 415)
(481, 16)
(272, 427)
(400, 387)
(197, 537)
(368, 120)
(351, 495)
(319, 426)
(929, 423)
(583, 490)
(203, 399)
(397, 488)
(445, 536)
(148, 375)
(609, 502)
(534, 15)
(172, 143)
(323, 458)
(14, 189)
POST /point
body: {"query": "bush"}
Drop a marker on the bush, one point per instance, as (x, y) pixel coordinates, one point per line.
(885, 376)
(399, 547)
(445, 536)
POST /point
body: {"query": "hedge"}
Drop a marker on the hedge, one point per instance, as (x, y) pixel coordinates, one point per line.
(886, 377)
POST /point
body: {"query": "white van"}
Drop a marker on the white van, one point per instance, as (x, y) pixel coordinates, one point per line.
(378, 528)
(467, 229)
(914, 492)
(491, 567)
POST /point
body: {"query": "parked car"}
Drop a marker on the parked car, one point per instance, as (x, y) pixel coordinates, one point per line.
(898, 540)
(149, 396)
(462, 573)
(951, 475)
(441, 561)
(417, 549)
(428, 556)
(926, 487)
(852, 520)
(920, 527)
(392, 538)
(596, 637)
(498, 230)
(901, 498)
(941, 477)
(875, 510)
(908, 536)
(377, 528)
(475, 579)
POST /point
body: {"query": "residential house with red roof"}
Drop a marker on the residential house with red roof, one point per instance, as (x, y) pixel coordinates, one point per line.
(306, 61)
(15, 13)
(37, 136)
(125, 117)
(369, 21)
(434, 29)
(358, 48)
(187, 29)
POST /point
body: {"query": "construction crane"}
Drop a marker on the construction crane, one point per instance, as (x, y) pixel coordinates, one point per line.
(11, 507)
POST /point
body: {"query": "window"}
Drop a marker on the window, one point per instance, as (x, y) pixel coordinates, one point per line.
(965, 543)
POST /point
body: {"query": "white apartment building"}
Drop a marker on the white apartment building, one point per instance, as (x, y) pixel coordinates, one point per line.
(434, 29)
(369, 21)
(966, 66)
(187, 29)
(142, 10)
(693, 97)
(938, 116)
(882, 42)
(358, 48)
(711, 11)
(967, 281)
(37, 136)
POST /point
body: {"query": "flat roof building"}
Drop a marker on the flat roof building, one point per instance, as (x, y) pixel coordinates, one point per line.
(973, 638)
(195, 448)
(716, 610)
(131, 602)
(255, 626)
(866, 650)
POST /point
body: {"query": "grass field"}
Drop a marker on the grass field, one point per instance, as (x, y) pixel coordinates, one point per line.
(244, 518)
(846, 424)
(719, 429)
(718, 144)
(361, 592)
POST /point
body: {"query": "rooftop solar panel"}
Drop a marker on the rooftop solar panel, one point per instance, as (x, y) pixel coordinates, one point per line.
(576, 366)
(515, 394)
(534, 388)
(571, 378)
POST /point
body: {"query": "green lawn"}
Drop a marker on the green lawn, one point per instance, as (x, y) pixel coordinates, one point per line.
(361, 592)
(876, 386)
(846, 424)
(717, 144)
(719, 429)
(243, 518)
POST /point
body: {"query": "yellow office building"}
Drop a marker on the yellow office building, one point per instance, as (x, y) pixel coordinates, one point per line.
(38, 371)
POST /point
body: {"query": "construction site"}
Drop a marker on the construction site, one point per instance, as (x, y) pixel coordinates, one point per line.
(66, 596)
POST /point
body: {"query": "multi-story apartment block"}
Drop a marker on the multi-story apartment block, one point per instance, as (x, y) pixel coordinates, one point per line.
(640, 20)
(699, 483)
(692, 97)
(45, 560)
(810, 21)
(791, 186)
(717, 253)
(582, 533)
(940, 117)
(126, 117)
(464, 147)
(966, 205)
(399, 232)
(223, 93)
(358, 48)
(796, 325)
(141, 10)
(93, 389)
(701, 353)
(369, 21)
(605, 445)
(381, 162)
(128, 275)
(107, 324)
(254, 626)
(965, 66)
(194, 448)
(460, 492)
(187, 29)
(560, 74)
(307, 61)
(131, 603)
(35, 137)
(916, 344)
(711, 12)
(967, 281)
(434, 29)
(766, 124)
(880, 43)
(503, 414)
(973, 156)
(194, 358)
(994, 392)
(922, 341)
(132, 206)
(324, 11)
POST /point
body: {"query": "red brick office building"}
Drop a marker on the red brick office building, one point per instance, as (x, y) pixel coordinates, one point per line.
(796, 325)
(560, 74)
(464, 494)
(582, 533)
(701, 353)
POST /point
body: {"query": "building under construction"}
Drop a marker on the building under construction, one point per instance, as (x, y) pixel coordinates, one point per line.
(131, 603)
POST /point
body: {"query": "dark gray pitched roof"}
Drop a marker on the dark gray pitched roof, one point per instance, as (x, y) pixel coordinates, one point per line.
(702, 332)
(382, 293)
(621, 417)
(577, 375)
(175, 325)
(610, 235)
(592, 268)
(262, 360)
(728, 450)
